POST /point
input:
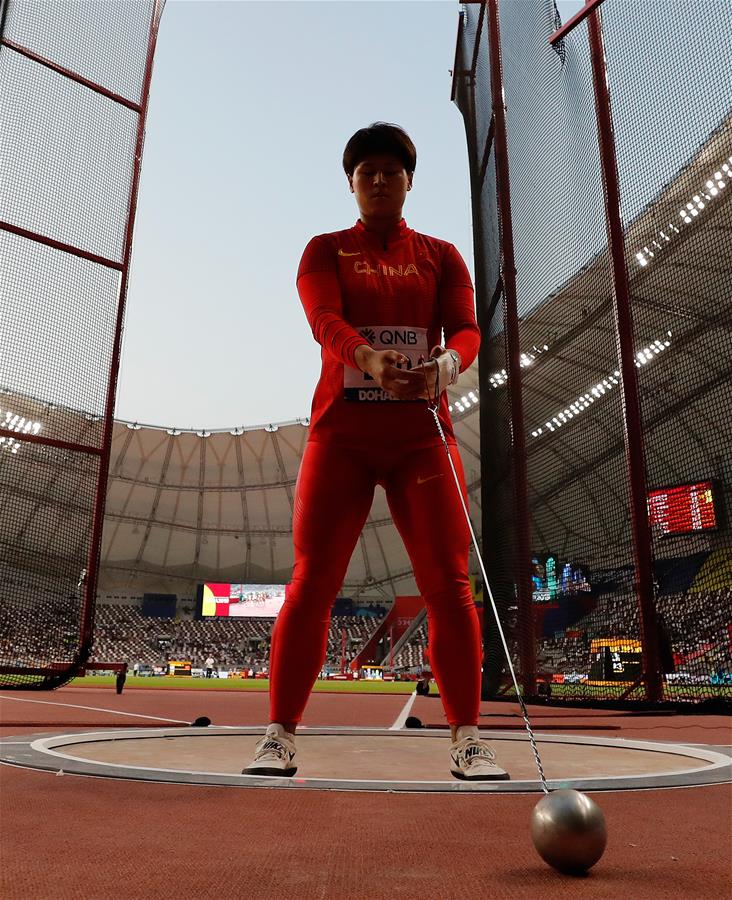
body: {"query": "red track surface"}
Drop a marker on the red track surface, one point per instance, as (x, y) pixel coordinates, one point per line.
(76, 837)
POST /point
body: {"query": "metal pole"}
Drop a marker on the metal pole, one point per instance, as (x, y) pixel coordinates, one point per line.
(527, 649)
(3, 15)
(572, 23)
(486, 241)
(632, 422)
(486, 286)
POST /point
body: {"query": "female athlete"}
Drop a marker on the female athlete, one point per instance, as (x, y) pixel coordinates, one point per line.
(378, 298)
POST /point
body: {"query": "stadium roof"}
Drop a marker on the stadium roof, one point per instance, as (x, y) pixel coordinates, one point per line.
(184, 507)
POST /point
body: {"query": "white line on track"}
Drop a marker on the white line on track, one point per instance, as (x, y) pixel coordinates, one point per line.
(402, 717)
(116, 712)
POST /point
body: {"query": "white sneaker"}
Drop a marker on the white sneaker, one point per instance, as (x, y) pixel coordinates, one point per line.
(273, 754)
(473, 759)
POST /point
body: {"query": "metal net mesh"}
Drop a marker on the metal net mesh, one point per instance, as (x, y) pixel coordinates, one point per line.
(673, 128)
(66, 158)
(56, 302)
(72, 100)
(583, 636)
(104, 42)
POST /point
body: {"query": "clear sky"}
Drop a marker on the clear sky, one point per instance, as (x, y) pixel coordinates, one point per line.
(251, 106)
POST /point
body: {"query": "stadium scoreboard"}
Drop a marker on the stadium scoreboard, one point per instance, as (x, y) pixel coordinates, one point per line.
(241, 600)
(683, 509)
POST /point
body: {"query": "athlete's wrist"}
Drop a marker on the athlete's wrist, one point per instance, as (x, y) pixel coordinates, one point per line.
(457, 363)
(450, 363)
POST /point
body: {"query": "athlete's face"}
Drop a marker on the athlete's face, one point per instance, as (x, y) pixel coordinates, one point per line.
(380, 184)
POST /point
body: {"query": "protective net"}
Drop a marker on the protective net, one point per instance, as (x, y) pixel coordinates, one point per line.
(74, 79)
(573, 599)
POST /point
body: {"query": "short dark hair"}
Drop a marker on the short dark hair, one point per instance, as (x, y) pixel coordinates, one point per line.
(379, 137)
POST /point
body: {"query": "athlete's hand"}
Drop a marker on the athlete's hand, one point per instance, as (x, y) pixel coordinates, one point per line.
(440, 363)
(388, 369)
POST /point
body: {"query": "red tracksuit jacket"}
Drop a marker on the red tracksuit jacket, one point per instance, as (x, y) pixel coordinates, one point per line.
(399, 292)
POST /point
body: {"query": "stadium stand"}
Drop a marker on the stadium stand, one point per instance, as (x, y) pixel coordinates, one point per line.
(411, 657)
(123, 633)
(697, 625)
(19, 638)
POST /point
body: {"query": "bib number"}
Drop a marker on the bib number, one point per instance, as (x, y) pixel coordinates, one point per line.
(410, 342)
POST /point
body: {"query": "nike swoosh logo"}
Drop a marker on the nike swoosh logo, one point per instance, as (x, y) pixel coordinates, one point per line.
(421, 480)
(343, 253)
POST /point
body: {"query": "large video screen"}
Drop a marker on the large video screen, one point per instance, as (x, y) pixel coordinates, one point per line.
(683, 509)
(242, 600)
(551, 579)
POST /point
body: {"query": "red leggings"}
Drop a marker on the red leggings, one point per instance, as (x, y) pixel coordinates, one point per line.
(335, 487)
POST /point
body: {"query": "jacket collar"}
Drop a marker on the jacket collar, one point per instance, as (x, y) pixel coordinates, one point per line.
(400, 231)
